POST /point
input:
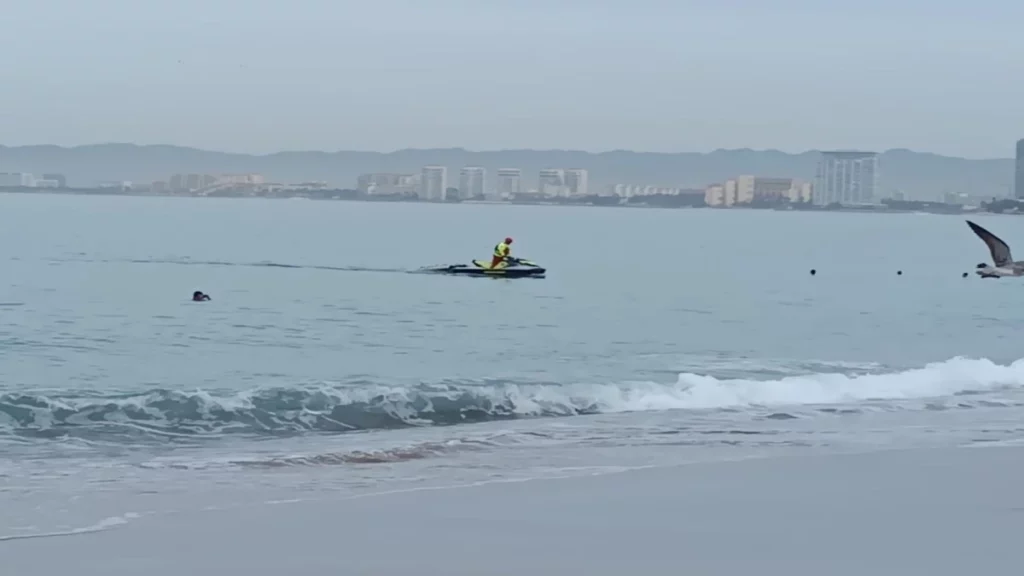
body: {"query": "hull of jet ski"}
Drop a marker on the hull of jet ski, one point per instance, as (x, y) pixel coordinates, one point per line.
(483, 269)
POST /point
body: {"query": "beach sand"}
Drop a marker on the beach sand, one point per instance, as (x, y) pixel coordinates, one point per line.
(929, 512)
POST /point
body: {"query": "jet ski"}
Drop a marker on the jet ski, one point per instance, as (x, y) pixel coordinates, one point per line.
(511, 268)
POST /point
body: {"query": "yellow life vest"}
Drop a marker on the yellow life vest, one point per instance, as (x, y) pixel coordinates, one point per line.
(501, 250)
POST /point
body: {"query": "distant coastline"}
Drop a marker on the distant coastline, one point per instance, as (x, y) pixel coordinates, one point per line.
(666, 202)
(903, 173)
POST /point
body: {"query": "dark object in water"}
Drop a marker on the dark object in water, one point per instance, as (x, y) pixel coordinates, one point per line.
(515, 268)
(198, 296)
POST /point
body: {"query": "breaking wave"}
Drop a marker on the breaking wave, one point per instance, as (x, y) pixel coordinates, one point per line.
(367, 406)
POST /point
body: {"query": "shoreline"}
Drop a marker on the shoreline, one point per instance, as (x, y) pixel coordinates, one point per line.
(938, 511)
(781, 208)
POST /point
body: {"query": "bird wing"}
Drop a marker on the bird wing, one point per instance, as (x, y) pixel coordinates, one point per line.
(1000, 251)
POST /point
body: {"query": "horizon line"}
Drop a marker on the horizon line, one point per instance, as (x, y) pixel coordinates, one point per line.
(491, 151)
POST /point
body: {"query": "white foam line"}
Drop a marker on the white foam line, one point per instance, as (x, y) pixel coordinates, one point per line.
(100, 526)
(1010, 442)
(581, 472)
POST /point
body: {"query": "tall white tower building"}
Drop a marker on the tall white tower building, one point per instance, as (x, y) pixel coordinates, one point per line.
(433, 183)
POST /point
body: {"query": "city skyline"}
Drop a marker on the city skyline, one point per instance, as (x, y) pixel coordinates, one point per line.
(907, 174)
(573, 183)
(844, 180)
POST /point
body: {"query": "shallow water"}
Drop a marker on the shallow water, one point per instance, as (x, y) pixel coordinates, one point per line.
(323, 365)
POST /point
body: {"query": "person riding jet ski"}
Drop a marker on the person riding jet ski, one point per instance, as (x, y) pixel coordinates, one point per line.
(502, 252)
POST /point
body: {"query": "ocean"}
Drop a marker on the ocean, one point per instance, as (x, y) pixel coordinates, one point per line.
(326, 368)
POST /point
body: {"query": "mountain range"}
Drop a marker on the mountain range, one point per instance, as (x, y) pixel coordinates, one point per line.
(919, 175)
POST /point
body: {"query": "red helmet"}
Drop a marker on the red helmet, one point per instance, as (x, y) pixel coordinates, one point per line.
(508, 240)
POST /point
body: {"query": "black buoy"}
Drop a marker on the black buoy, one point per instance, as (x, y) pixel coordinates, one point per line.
(899, 272)
(813, 271)
(964, 275)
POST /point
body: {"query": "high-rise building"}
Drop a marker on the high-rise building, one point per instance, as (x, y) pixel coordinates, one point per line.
(61, 181)
(177, 183)
(1018, 190)
(846, 178)
(17, 179)
(576, 182)
(801, 192)
(729, 190)
(551, 182)
(510, 181)
(434, 183)
(714, 195)
(471, 182)
(745, 189)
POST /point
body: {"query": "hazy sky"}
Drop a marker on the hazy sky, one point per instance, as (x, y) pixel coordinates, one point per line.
(944, 76)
